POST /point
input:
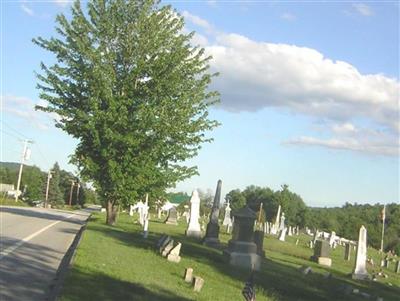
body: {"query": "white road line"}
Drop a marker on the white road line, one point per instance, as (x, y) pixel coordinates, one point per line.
(10, 249)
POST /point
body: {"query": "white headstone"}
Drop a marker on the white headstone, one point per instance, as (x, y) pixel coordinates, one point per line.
(227, 217)
(360, 270)
(332, 238)
(173, 255)
(282, 222)
(194, 229)
(282, 234)
(145, 228)
(130, 210)
(277, 219)
(290, 231)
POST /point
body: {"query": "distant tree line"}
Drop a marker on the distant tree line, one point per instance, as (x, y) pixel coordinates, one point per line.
(34, 182)
(345, 221)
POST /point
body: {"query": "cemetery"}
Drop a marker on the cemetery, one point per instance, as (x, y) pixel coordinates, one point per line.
(169, 257)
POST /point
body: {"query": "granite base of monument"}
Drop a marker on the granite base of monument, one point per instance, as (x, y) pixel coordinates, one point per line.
(211, 238)
(243, 254)
(360, 276)
(326, 261)
(193, 233)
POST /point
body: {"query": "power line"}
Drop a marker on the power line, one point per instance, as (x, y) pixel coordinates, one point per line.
(9, 134)
(14, 130)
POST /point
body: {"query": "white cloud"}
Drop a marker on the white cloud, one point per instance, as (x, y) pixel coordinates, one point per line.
(27, 10)
(363, 9)
(288, 16)
(197, 21)
(347, 136)
(257, 75)
(24, 108)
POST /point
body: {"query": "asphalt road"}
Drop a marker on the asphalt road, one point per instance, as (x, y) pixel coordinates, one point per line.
(32, 245)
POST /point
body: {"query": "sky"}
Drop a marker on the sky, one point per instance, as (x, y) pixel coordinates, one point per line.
(309, 95)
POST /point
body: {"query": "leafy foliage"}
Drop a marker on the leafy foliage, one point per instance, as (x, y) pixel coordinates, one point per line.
(34, 182)
(133, 90)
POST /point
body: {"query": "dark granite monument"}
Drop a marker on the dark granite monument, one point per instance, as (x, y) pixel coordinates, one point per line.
(211, 238)
(322, 252)
(172, 217)
(242, 251)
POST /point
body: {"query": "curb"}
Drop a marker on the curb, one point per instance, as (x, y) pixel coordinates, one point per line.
(65, 265)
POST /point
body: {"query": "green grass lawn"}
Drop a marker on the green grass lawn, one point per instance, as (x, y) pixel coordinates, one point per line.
(116, 263)
(11, 202)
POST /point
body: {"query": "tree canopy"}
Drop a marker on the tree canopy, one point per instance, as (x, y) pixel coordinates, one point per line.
(345, 221)
(129, 85)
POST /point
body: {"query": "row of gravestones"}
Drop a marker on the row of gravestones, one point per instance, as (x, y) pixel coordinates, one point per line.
(166, 247)
(322, 252)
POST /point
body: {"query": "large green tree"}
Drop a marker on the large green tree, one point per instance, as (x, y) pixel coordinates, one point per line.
(132, 89)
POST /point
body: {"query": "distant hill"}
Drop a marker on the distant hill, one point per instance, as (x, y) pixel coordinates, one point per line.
(12, 166)
(9, 171)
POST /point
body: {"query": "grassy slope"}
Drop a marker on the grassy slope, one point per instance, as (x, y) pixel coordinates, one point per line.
(116, 263)
(11, 202)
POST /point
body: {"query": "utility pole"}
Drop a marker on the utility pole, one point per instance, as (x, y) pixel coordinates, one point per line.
(25, 156)
(383, 225)
(77, 192)
(47, 188)
(70, 193)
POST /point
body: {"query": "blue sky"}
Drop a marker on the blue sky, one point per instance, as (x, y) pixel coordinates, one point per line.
(309, 95)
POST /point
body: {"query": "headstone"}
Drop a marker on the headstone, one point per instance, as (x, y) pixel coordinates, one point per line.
(360, 270)
(311, 244)
(198, 283)
(275, 227)
(289, 233)
(173, 255)
(259, 241)
(242, 251)
(139, 206)
(397, 268)
(164, 240)
(297, 242)
(227, 218)
(387, 262)
(315, 237)
(194, 229)
(297, 230)
(266, 228)
(211, 238)
(282, 222)
(167, 247)
(188, 275)
(160, 241)
(130, 210)
(146, 228)
(172, 217)
(332, 238)
(322, 253)
(305, 270)
(347, 251)
(282, 235)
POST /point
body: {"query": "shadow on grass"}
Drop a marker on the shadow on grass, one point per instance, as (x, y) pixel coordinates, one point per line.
(89, 285)
(277, 279)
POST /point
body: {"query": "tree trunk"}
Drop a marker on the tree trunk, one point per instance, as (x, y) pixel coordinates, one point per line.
(111, 213)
